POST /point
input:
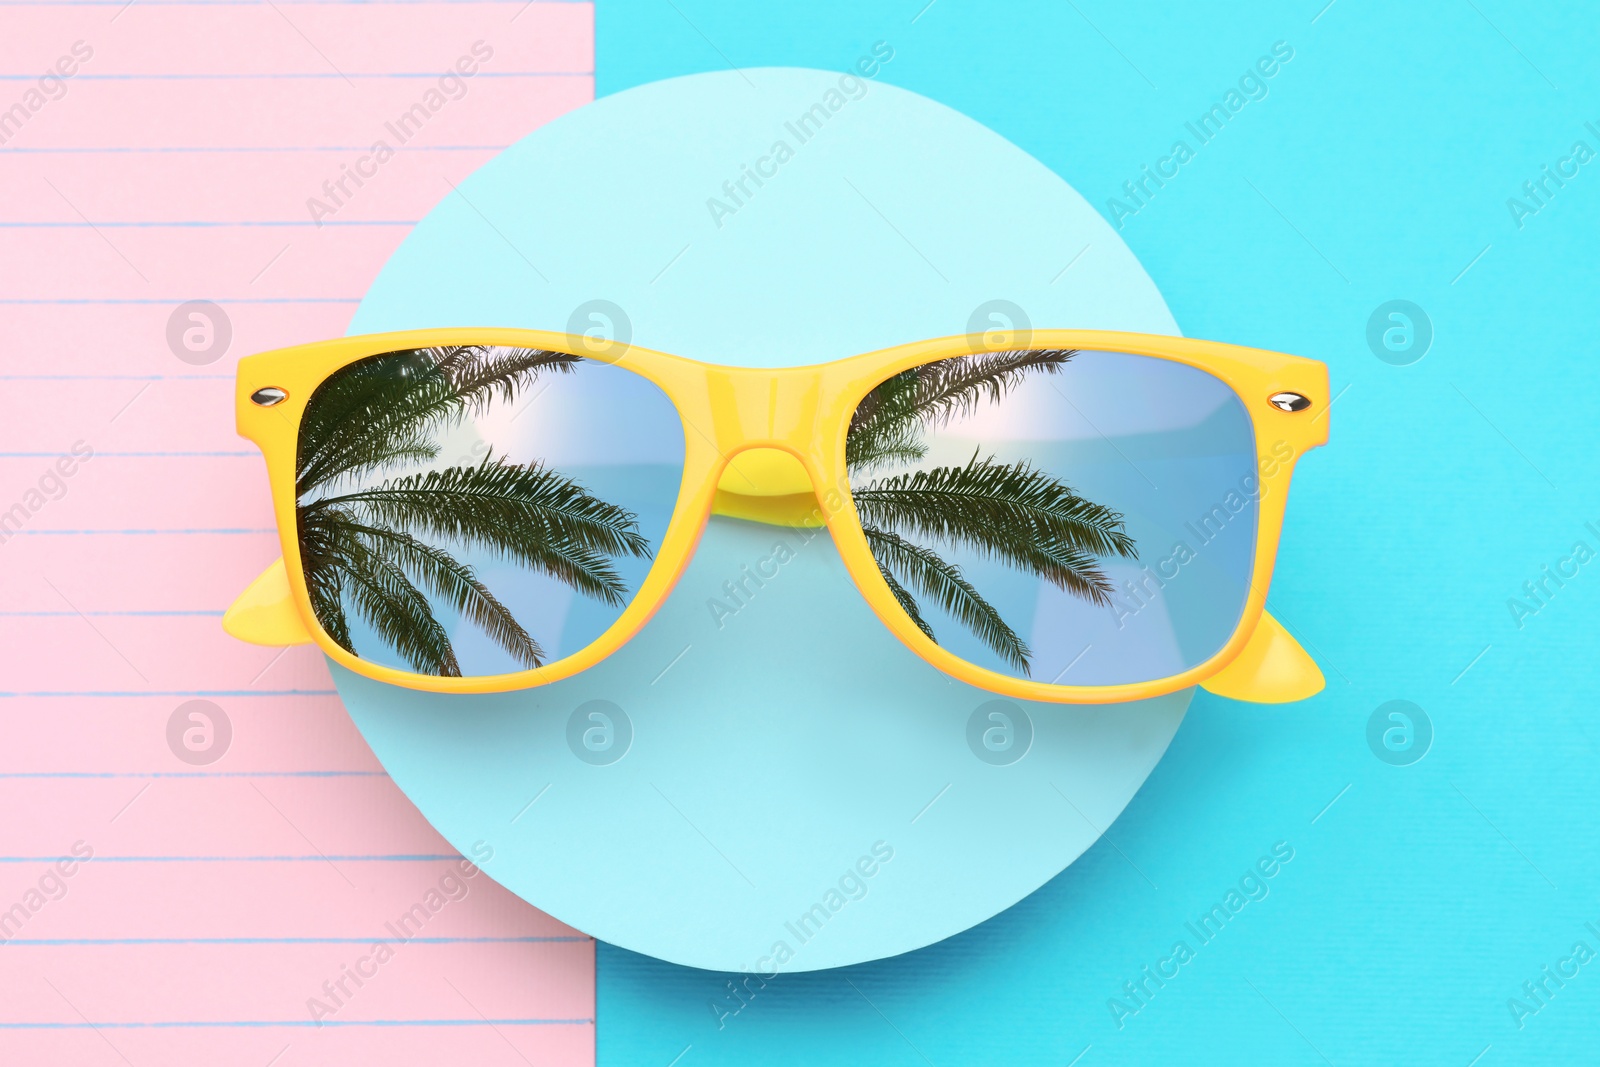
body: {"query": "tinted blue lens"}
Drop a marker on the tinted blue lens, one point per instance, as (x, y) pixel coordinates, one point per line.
(480, 510)
(1073, 517)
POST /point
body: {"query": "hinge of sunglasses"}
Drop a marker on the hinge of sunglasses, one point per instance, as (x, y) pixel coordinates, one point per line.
(265, 613)
(1272, 668)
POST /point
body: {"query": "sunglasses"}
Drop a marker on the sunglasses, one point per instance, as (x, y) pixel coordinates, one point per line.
(1087, 517)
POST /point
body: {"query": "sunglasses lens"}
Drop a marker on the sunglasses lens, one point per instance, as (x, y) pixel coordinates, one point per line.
(1072, 517)
(481, 510)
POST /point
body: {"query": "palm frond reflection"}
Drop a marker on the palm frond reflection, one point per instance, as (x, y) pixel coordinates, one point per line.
(1013, 512)
(386, 532)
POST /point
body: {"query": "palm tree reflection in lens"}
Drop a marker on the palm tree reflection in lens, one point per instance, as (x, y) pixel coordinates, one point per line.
(381, 544)
(1013, 512)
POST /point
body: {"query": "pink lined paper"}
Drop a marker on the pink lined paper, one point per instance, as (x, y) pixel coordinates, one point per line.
(220, 897)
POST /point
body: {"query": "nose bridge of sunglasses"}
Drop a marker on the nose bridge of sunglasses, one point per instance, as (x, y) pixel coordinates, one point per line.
(767, 485)
(762, 418)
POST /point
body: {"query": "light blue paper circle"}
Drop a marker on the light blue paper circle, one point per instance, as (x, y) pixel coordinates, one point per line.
(776, 759)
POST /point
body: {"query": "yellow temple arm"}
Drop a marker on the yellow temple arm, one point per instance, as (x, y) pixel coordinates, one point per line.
(265, 613)
(1272, 669)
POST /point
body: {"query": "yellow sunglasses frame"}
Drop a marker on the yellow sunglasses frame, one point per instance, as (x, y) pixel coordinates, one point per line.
(769, 446)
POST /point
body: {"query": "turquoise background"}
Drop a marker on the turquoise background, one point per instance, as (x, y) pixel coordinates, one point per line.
(1378, 168)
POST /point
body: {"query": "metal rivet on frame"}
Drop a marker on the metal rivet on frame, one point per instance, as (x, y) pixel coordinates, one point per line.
(1289, 401)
